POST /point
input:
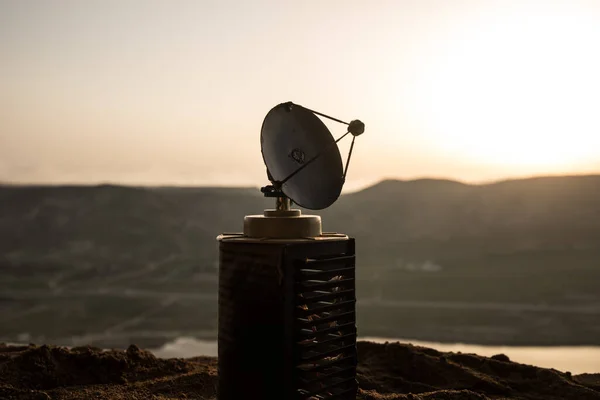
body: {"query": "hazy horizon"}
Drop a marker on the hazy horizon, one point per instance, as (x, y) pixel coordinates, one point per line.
(348, 188)
(162, 93)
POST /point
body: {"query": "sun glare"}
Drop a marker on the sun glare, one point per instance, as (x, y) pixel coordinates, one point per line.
(520, 89)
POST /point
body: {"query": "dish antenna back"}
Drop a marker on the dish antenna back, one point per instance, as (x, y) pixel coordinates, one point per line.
(302, 158)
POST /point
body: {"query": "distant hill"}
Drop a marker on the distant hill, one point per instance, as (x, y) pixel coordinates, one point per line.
(527, 214)
(529, 241)
(142, 224)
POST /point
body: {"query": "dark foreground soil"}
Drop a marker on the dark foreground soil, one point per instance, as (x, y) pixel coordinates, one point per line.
(386, 371)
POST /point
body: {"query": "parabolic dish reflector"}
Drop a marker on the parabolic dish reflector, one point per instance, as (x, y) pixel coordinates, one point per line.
(291, 135)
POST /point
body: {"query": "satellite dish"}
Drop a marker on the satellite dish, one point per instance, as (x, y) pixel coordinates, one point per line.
(290, 137)
(302, 158)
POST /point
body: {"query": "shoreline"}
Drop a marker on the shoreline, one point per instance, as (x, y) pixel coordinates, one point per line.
(574, 359)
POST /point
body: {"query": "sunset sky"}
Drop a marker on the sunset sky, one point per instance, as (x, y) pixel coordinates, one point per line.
(174, 92)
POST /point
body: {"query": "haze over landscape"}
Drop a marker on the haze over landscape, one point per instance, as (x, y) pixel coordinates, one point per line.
(509, 263)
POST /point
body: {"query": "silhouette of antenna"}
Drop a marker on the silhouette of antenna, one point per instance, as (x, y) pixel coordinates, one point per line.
(287, 301)
(302, 158)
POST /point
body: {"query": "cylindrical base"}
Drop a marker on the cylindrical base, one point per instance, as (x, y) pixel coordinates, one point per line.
(287, 224)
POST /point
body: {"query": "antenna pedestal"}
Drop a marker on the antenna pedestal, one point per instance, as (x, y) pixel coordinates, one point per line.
(282, 224)
(287, 302)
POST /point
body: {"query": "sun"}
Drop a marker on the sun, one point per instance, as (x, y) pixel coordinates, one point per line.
(519, 89)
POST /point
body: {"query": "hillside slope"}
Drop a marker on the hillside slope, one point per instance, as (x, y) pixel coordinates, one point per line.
(509, 262)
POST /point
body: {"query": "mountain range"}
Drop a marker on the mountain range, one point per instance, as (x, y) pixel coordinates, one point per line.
(516, 261)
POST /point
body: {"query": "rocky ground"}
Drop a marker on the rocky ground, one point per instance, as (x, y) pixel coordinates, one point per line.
(386, 371)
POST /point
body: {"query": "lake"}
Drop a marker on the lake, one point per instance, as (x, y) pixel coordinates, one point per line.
(576, 359)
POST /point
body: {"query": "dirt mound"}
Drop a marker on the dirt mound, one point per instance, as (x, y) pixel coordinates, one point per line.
(385, 372)
(394, 368)
(48, 367)
(55, 372)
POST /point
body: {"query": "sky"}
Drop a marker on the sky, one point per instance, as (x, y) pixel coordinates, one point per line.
(174, 92)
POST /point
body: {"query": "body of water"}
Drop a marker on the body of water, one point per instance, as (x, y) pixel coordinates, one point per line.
(576, 359)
